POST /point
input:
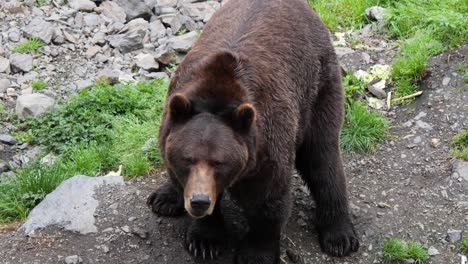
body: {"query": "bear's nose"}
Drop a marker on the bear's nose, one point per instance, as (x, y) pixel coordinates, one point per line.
(200, 202)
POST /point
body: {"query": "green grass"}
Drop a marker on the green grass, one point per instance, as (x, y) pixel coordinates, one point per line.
(43, 2)
(32, 44)
(343, 13)
(459, 145)
(363, 129)
(464, 245)
(92, 133)
(2, 108)
(397, 250)
(426, 28)
(38, 85)
(409, 65)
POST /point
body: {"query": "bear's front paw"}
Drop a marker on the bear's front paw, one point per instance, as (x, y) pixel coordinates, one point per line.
(339, 239)
(166, 201)
(205, 240)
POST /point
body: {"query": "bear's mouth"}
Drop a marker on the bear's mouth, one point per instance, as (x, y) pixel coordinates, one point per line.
(200, 191)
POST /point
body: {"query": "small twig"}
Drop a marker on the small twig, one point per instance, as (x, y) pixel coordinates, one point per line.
(407, 97)
(292, 242)
(389, 101)
(284, 261)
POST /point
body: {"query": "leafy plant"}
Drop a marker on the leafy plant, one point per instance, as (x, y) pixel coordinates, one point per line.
(88, 116)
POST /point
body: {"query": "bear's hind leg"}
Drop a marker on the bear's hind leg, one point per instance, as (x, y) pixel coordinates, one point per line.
(166, 201)
(319, 162)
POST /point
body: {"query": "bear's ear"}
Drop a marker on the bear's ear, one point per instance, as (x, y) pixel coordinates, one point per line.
(244, 116)
(180, 107)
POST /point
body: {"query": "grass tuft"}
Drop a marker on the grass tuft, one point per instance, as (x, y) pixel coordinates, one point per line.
(459, 145)
(363, 129)
(464, 245)
(397, 250)
(32, 44)
(38, 85)
(410, 63)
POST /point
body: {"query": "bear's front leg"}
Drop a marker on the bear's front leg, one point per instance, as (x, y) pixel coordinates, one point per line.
(206, 236)
(166, 201)
(262, 243)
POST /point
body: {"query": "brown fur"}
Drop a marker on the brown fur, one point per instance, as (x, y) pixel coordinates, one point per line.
(262, 90)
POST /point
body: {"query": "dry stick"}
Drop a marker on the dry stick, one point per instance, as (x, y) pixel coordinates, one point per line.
(407, 97)
(290, 240)
(284, 261)
(389, 101)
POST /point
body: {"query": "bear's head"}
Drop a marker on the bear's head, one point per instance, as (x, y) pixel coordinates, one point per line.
(212, 132)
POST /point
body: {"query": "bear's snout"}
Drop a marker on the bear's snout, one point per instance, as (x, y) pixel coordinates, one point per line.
(200, 190)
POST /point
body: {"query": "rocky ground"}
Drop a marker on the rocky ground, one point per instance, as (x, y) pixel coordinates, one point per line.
(410, 188)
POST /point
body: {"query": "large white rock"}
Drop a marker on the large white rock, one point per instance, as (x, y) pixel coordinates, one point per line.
(82, 5)
(33, 105)
(71, 205)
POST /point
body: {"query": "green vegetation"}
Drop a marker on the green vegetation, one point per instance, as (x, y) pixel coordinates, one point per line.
(38, 85)
(426, 28)
(397, 250)
(363, 129)
(409, 65)
(343, 13)
(2, 108)
(32, 44)
(92, 133)
(464, 245)
(460, 145)
(43, 2)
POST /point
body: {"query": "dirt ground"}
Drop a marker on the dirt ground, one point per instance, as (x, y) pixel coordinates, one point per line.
(406, 189)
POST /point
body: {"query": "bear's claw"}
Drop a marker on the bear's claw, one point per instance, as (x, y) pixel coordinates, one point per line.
(205, 248)
(339, 240)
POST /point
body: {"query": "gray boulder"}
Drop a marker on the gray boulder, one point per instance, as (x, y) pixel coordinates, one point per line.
(40, 29)
(33, 105)
(71, 205)
(113, 11)
(135, 9)
(200, 11)
(132, 37)
(146, 62)
(376, 13)
(4, 65)
(82, 5)
(21, 62)
(183, 43)
(7, 139)
(157, 30)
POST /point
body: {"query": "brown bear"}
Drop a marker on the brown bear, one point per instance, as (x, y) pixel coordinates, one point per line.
(259, 95)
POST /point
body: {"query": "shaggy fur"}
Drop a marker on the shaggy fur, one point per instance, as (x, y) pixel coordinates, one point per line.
(260, 91)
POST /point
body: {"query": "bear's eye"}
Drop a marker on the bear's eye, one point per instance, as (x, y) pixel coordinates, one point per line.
(217, 163)
(188, 160)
